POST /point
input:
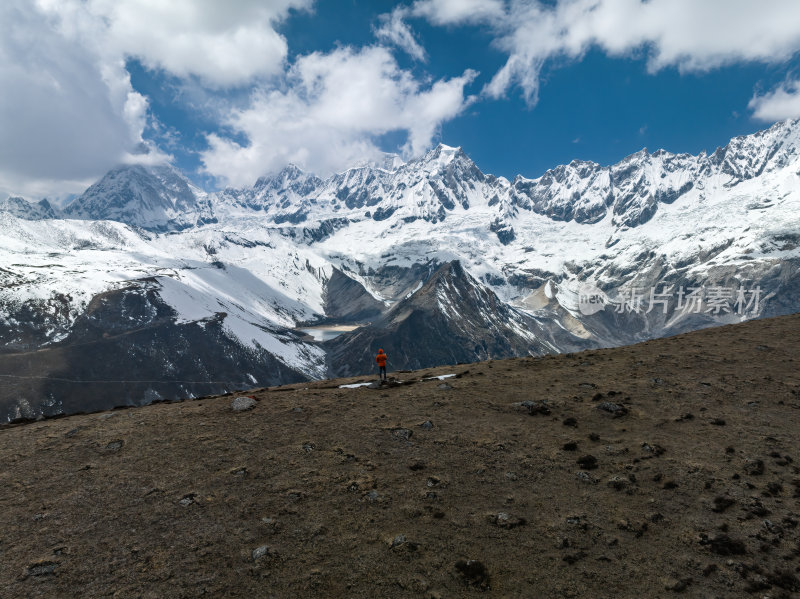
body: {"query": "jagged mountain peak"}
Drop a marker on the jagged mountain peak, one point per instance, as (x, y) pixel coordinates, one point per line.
(440, 157)
(748, 156)
(391, 162)
(22, 208)
(386, 161)
(451, 318)
(282, 178)
(642, 154)
(157, 197)
(433, 186)
(452, 293)
(442, 149)
(776, 130)
(445, 278)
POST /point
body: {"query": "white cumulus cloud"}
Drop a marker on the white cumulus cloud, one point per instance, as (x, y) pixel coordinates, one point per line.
(394, 30)
(455, 12)
(224, 43)
(779, 104)
(329, 113)
(72, 112)
(66, 114)
(68, 111)
(687, 34)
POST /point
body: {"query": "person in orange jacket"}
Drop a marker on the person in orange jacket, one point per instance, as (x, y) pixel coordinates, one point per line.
(381, 360)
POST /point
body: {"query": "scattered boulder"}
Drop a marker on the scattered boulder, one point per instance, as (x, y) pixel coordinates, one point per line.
(400, 542)
(586, 477)
(756, 509)
(570, 421)
(504, 520)
(114, 446)
(372, 496)
(427, 425)
(653, 449)
(612, 408)
(243, 403)
(578, 521)
(523, 404)
(618, 483)
(187, 499)
(260, 552)
(397, 541)
(538, 408)
(402, 433)
(570, 446)
(587, 462)
(42, 568)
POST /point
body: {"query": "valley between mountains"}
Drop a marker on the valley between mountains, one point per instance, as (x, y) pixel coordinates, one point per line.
(146, 288)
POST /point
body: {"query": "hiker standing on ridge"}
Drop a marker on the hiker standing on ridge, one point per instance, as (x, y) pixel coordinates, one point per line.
(381, 360)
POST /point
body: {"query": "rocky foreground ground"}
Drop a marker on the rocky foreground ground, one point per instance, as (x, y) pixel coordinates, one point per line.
(663, 469)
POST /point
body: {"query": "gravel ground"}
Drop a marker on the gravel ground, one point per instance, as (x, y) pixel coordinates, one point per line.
(665, 468)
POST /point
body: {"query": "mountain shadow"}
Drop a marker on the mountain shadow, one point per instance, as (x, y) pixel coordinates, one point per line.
(451, 319)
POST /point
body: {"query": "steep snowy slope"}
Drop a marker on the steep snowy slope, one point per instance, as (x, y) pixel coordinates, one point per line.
(158, 198)
(21, 208)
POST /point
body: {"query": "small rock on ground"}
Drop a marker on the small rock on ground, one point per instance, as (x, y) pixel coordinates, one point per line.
(504, 520)
(242, 404)
(612, 408)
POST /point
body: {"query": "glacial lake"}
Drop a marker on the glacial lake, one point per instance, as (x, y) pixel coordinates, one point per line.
(324, 333)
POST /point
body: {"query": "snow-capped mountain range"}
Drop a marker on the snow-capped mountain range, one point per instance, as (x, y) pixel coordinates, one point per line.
(389, 246)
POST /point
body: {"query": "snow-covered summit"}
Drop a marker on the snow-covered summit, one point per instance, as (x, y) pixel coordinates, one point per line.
(152, 197)
(22, 208)
(442, 183)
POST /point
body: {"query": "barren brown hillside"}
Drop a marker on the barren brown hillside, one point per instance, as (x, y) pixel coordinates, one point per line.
(663, 469)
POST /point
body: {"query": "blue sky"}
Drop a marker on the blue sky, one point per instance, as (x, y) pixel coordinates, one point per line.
(230, 91)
